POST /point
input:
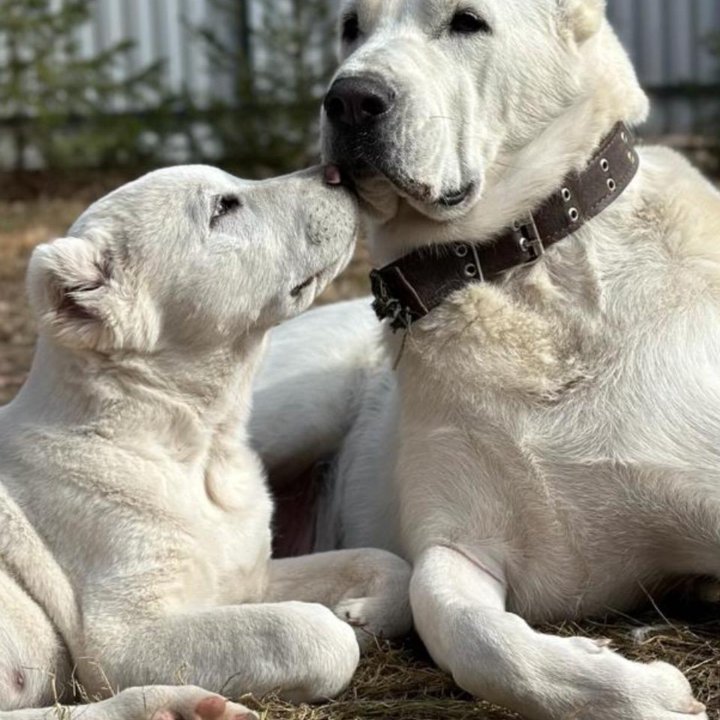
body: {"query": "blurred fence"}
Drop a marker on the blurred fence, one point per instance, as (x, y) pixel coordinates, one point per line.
(166, 30)
(668, 40)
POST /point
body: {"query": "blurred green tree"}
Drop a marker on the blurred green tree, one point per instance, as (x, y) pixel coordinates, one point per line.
(278, 60)
(70, 109)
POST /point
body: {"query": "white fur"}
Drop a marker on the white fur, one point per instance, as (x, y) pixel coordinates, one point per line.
(547, 448)
(136, 521)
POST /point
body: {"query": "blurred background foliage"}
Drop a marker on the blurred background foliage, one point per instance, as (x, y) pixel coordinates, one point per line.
(279, 72)
(55, 101)
(714, 126)
(64, 108)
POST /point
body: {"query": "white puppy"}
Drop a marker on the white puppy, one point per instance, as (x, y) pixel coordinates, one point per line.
(547, 448)
(135, 519)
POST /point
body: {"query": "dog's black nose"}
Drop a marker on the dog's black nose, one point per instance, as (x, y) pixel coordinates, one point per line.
(357, 101)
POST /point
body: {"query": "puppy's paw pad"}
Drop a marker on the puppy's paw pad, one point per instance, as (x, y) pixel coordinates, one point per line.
(166, 715)
(217, 708)
(211, 708)
(208, 707)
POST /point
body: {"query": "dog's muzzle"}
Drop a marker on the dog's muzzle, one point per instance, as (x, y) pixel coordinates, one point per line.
(359, 110)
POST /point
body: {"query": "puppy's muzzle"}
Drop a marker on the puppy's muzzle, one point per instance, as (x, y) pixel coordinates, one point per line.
(358, 103)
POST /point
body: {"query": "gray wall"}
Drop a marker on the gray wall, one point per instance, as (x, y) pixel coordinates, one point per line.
(161, 31)
(667, 40)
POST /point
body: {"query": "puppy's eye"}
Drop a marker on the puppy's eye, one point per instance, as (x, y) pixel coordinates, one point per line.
(466, 22)
(351, 28)
(224, 205)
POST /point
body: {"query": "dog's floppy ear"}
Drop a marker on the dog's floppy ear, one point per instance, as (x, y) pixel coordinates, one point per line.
(583, 17)
(82, 299)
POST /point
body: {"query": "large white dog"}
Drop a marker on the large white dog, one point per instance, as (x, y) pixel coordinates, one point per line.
(548, 445)
(135, 520)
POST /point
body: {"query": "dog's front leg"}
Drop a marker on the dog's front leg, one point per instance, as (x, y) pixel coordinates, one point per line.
(458, 601)
(367, 588)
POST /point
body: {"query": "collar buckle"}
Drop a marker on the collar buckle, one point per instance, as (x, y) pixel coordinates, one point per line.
(387, 306)
(528, 238)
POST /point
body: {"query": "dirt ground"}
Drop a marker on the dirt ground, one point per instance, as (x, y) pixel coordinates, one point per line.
(23, 225)
(395, 681)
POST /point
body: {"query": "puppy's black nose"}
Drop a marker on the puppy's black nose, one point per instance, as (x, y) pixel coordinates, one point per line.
(356, 101)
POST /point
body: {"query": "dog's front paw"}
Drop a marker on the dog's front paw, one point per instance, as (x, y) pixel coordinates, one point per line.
(603, 684)
(656, 691)
(385, 611)
(553, 678)
(376, 617)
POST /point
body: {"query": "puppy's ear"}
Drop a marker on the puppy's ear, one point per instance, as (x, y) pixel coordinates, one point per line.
(583, 17)
(82, 299)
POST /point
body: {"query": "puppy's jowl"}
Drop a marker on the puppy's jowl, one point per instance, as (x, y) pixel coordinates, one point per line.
(547, 448)
(135, 544)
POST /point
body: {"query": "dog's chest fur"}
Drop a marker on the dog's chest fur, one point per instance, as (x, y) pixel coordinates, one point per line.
(531, 415)
(186, 535)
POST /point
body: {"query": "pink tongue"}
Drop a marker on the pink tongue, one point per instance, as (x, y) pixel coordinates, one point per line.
(333, 176)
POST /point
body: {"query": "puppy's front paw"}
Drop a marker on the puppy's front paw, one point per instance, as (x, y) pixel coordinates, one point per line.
(165, 702)
(203, 706)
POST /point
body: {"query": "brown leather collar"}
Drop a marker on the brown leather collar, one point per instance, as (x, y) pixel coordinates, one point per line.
(408, 289)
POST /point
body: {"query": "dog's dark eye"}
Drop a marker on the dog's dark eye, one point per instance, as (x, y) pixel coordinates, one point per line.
(351, 28)
(465, 22)
(224, 205)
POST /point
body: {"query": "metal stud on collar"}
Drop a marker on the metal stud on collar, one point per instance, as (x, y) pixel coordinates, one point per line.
(461, 250)
(525, 244)
(528, 238)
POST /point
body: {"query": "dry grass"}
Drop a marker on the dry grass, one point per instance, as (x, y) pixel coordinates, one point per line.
(399, 681)
(394, 681)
